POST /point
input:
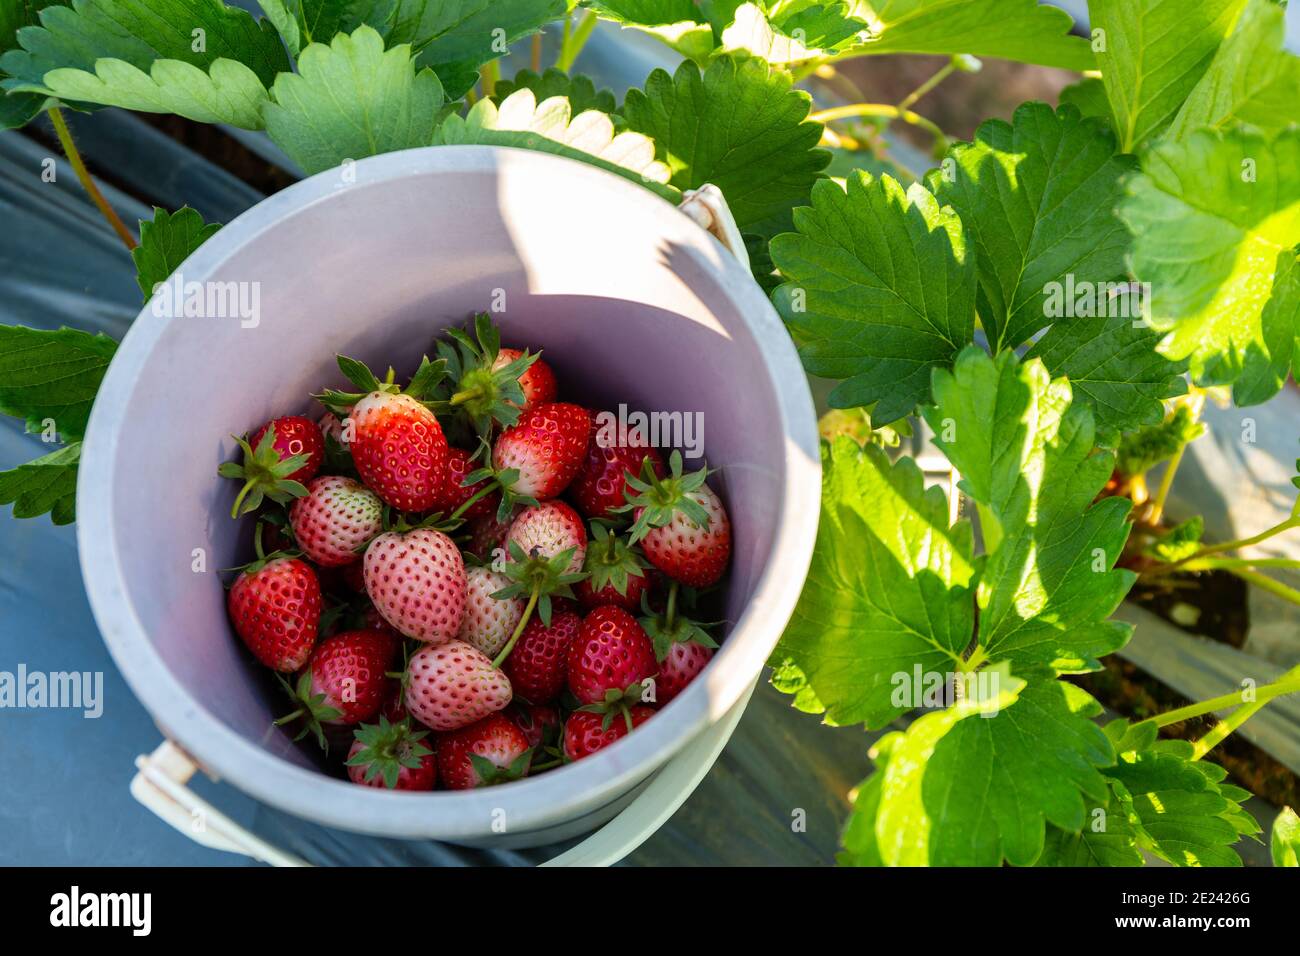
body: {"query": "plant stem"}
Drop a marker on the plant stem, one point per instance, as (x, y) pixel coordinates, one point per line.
(1264, 582)
(1231, 564)
(886, 111)
(670, 609)
(575, 39)
(468, 502)
(83, 176)
(1288, 683)
(519, 629)
(536, 53)
(1196, 402)
(1292, 522)
(928, 85)
(1279, 688)
(489, 75)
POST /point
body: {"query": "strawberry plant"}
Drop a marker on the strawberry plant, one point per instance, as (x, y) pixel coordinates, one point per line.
(1055, 301)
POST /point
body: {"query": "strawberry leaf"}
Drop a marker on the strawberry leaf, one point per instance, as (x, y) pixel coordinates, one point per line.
(301, 22)
(52, 376)
(1252, 79)
(455, 37)
(1037, 201)
(1026, 456)
(579, 90)
(1156, 51)
(16, 109)
(352, 99)
(880, 290)
(48, 484)
(739, 125)
(197, 58)
(888, 590)
(1216, 224)
(789, 33)
(681, 24)
(551, 127)
(943, 798)
(165, 242)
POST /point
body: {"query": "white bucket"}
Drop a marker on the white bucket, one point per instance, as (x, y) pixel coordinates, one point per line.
(630, 300)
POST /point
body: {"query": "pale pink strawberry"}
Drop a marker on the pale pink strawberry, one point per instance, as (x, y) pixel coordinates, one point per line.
(335, 519)
(488, 622)
(548, 529)
(452, 685)
(416, 580)
(332, 427)
(684, 660)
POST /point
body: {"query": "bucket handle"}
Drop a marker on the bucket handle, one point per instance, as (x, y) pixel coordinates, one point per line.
(160, 786)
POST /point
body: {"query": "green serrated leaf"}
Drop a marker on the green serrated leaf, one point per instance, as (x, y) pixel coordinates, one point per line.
(1088, 96)
(165, 242)
(681, 24)
(352, 99)
(1107, 839)
(199, 58)
(789, 33)
(48, 484)
(1020, 30)
(1216, 224)
(1037, 201)
(1252, 79)
(300, 22)
(979, 783)
(887, 593)
(739, 125)
(1180, 543)
(550, 127)
(1156, 51)
(52, 376)
(579, 90)
(455, 37)
(1026, 455)
(17, 109)
(1142, 450)
(880, 291)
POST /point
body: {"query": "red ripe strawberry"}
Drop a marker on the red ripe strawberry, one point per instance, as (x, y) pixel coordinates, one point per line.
(394, 706)
(548, 529)
(585, 733)
(615, 572)
(546, 446)
(490, 751)
(610, 653)
(275, 606)
(416, 580)
(451, 495)
(337, 517)
(452, 685)
(392, 756)
(344, 682)
(399, 450)
(599, 486)
(681, 525)
(681, 665)
(537, 721)
(536, 667)
(488, 622)
(538, 381)
(278, 458)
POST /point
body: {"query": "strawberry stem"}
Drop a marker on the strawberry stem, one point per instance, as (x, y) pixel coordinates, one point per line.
(469, 502)
(670, 611)
(249, 485)
(257, 541)
(519, 628)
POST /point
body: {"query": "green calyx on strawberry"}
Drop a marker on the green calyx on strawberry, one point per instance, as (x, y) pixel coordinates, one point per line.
(672, 627)
(262, 558)
(611, 562)
(489, 774)
(539, 578)
(423, 384)
(485, 394)
(386, 748)
(493, 480)
(264, 473)
(617, 703)
(657, 500)
(312, 709)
